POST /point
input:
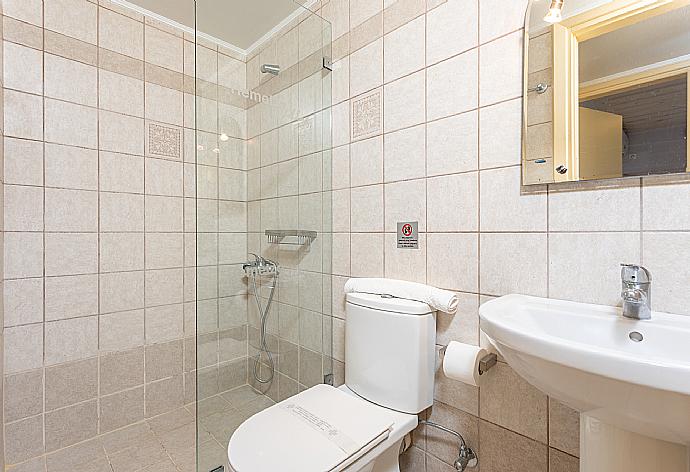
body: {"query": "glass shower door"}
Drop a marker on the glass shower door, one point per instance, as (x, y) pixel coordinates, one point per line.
(262, 234)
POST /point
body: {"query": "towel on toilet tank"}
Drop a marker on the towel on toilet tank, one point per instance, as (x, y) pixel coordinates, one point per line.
(438, 299)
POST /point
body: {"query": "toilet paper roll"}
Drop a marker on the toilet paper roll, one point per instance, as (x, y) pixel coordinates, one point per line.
(461, 362)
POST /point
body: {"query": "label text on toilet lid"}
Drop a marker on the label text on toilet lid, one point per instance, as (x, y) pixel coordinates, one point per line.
(319, 424)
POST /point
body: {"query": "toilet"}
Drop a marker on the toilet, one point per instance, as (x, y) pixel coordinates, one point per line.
(360, 426)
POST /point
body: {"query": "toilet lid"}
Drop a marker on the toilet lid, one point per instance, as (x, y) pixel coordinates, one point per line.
(321, 429)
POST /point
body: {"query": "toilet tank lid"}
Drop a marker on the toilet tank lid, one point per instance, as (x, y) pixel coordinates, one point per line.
(388, 303)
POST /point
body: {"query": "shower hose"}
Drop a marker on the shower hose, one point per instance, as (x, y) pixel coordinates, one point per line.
(263, 315)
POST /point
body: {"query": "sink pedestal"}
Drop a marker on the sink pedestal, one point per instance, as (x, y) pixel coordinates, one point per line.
(607, 448)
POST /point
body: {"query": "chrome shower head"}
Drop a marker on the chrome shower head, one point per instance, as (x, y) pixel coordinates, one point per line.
(270, 69)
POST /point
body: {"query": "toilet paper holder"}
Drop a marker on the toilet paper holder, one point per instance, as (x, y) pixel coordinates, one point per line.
(485, 363)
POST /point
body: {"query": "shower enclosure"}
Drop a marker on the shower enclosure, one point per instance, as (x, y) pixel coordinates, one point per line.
(262, 212)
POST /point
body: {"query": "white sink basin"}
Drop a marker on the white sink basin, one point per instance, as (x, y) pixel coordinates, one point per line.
(583, 355)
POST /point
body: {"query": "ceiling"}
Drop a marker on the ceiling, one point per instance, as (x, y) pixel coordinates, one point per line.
(240, 23)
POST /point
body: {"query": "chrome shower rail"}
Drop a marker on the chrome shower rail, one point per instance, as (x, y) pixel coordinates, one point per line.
(293, 237)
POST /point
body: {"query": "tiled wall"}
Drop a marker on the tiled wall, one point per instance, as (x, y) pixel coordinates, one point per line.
(2, 238)
(99, 253)
(288, 188)
(427, 127)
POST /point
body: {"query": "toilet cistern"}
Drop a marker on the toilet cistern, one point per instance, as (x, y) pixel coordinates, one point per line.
(636, 292)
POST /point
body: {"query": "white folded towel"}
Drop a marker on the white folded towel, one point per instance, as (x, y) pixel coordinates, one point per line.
(437, 298)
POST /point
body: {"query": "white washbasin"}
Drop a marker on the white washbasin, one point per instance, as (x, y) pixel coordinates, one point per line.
(583, 355)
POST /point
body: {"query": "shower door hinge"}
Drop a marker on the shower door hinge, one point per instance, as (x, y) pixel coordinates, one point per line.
(328, 64)
(328, 379)
(218, 469)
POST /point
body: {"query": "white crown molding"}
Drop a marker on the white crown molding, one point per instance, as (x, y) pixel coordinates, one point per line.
(213, 39)
(257, 44)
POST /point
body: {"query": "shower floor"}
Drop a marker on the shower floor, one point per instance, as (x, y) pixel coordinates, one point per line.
(164, 443)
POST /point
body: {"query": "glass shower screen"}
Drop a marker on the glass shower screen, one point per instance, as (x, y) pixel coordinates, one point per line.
(262, 226)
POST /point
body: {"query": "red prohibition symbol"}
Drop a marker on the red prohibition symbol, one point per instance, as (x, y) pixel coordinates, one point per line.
(407, 229)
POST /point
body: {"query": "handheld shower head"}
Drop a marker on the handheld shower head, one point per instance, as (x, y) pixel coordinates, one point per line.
(270, 69)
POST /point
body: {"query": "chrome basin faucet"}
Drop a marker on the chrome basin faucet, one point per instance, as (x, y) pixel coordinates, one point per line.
(636, 292)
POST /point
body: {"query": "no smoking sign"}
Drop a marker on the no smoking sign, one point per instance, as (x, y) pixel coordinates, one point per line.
(408, 235)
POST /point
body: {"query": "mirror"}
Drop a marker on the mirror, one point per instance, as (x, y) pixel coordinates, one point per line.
(606, 89)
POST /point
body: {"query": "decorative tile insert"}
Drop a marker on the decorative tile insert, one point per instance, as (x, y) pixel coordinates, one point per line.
(367, 115)
(164, 141)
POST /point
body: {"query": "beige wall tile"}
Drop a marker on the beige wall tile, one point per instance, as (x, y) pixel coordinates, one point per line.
(71, 167)
(446, 86)
(23, 348)
(30, 11)
(505, 206)
(121, 212)
(121, 291)
(122, 330)
(405, 264)
(438, 442)
(367, 255)
(71, 124)
(451, 144)
(405, 201)
(163, 396)
(164, 49)
(23, 255)
(461, 252)
(121, 173)
(361, 10)
(404, 50)
(164, 213)
(121, 409)
(121, 34)
(71, 253)
(404, 102)
(70, 80)
(121, 370)
(72, 339)
(500, 136)
(405, 154)
(23, 208)
(656, 197)
(663, 256)
(601, 253)
(24, 439)
(560, 462)
(367, 209)
(23, 301)
(23, 395)
(23, 68)
(584, 207)
(120, 93)
(451, 29)
(500, 71)
(504, 450)
(164, 104)
(564, 428)
(71, 383)
(120, 133)
(72, 296)
(121, 251)
(74, 18)
(452, 202)
(22, 33)
(71, 210)
(506, 399)
(23, 115)
(524, 251)
(497, 18)
(71, 425)
(23, 162)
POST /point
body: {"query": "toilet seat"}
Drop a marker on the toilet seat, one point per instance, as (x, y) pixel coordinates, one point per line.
(322, 429)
